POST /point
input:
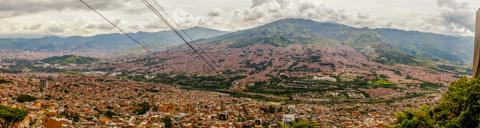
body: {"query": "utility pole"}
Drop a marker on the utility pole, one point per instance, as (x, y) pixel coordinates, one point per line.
(476, 55)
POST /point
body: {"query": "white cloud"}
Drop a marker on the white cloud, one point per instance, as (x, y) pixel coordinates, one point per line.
(452, 4)
(66, 18)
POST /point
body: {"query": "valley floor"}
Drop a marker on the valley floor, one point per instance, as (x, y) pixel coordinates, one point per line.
(102, 101)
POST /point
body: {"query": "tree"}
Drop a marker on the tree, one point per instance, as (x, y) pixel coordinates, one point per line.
(10, 116)
(415, 119)
(25, 98)
(75, 117)
(459, 108)
(2, 81)
(168, 122)
(142, 108)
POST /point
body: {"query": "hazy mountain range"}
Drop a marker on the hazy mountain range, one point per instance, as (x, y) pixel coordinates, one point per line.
(382, 45)
(107, 42)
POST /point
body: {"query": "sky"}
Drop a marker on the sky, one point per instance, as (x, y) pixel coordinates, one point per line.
(36, 18)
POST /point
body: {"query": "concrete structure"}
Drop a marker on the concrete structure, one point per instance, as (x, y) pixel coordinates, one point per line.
(476, 56)
(43, 84)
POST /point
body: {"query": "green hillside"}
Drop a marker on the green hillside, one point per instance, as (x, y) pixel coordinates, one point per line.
(69, 59)
(388, 46)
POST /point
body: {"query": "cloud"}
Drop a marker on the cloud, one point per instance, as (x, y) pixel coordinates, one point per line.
(457, 17)
(215, 12)
(155, 25)
(91, 26)
(55, 29)
(464, 19)
(35, 27)
(263, 11)
(10, 8)
(108, 26)
(73, 18)
(452, 4)
(256, 3)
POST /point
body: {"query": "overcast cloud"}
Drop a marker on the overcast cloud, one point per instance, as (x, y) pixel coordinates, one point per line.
(27, 18)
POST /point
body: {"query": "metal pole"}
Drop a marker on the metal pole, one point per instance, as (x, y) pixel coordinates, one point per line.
(476, 55)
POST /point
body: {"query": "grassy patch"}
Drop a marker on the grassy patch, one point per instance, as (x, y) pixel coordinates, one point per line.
(428, 85)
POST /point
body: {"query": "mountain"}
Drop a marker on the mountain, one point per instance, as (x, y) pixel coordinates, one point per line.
(389, 46)
(303, 60)
(107, 42)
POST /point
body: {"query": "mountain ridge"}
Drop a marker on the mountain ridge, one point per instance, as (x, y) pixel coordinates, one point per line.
(421, 45)
(106, 42)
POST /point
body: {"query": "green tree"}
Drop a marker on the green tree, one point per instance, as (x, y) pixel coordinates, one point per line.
(75, 117)
(168, 122)
(25, 98)
(2, 81)
(10, 116)
(459, 108)
(415, 119)
(142, 108)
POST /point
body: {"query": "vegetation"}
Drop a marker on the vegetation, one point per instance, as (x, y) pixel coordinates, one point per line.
(108, 113)
(381, 83)
(2, 81)
(168, 122)
(429, 85)
(271, 109)
(10, 116)
(69, 59)
(25, 98)
(193, 81)
(459, 108)
(285, 86)
(142, 108)
(304, 124)
(258, 67)
(75, 117)
(26, 66)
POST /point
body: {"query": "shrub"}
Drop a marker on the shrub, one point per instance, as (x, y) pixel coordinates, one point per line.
(142, 108)
(168, 122)
(25, 98)
(75, 117)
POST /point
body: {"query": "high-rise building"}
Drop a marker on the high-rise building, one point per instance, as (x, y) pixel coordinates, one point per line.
(43, 84)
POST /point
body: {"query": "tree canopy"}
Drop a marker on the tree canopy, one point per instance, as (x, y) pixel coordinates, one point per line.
(459, 108)
(9, 116)
(25, 98)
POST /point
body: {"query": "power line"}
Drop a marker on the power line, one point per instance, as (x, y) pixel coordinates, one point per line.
(121, 30)
(114, 25)
(184, 32)
(178, 34)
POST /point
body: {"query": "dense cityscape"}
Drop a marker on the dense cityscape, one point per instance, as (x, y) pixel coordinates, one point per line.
(85, 101)
(239, 64)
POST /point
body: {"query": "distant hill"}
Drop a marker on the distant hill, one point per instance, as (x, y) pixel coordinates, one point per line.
(389, 46)
(69, 59)
(107, 42)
